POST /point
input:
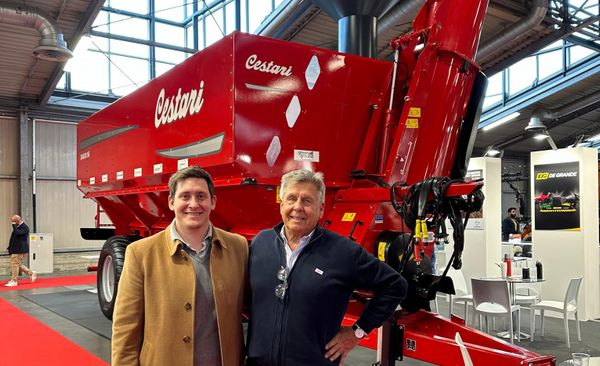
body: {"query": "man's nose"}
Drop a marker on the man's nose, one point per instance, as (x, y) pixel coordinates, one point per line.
(194, 202)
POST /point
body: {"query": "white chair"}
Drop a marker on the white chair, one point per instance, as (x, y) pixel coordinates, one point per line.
(462, 292)
(527, 294)
(491, 298)
(566, 307)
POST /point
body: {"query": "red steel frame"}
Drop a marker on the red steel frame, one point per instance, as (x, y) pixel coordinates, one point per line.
(250, 91)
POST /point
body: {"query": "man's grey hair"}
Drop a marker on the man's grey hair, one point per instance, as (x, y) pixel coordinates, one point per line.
(303, 176)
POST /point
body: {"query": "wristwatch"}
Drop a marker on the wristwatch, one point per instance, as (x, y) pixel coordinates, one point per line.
(358, 333)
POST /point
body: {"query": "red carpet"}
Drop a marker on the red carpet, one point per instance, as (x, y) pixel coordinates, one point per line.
(27, 341)
(42, 282)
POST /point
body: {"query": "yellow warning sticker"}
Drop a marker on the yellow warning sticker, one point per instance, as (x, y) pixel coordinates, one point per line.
(381, 251)
(349, 216)
(412, 123)
(414, 112)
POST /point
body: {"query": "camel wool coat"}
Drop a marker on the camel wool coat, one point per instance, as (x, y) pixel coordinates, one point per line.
(153, 321)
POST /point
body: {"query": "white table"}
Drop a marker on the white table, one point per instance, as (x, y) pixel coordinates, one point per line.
(594, 361)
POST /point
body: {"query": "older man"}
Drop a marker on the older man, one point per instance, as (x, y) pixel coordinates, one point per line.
(181, 292)
(18, 246)
(301, 279)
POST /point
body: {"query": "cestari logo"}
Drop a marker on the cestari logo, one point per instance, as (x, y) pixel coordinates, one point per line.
(171, 108)
(253, 63)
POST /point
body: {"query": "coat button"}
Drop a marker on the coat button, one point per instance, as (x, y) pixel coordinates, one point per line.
(186, 339)
(188, 306)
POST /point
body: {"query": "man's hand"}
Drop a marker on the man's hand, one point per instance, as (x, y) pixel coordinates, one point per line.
(341, 344)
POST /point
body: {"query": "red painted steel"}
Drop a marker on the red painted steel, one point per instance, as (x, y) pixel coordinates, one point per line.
(249, 109)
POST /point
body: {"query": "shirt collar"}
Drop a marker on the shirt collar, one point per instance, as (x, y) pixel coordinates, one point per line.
(303, 240)
(176, 238)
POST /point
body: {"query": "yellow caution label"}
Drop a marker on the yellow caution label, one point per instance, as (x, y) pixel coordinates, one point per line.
(381, 251)
(277, 196)
(349, 216)
(414, 112)
(412, 123)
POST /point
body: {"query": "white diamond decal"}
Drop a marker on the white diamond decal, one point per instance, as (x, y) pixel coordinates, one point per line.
(313, 70)
(293, 111)
(273, 151)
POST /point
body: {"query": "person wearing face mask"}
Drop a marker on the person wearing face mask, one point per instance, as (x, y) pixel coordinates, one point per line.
(510, 224)
(18, 246)
(301, 279)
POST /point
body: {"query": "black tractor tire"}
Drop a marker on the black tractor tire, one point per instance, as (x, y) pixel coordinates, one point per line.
(110, 265)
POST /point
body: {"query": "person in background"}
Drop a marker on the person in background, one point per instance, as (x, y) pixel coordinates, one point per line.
(181, 292)
(510, 225)
(301, 279)
(18, 246)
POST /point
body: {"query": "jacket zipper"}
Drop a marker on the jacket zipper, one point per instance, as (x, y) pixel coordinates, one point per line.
(281, 315)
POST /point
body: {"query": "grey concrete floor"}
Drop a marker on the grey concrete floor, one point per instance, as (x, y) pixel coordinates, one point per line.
(99, 345)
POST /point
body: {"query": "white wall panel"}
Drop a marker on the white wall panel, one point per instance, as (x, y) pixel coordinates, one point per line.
(62, 210)
(9, 147)
(9, 198)
(55, 145)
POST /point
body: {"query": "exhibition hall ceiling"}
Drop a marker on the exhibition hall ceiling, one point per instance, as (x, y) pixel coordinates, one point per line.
(571, 104)
(513, 29)
(26, 80)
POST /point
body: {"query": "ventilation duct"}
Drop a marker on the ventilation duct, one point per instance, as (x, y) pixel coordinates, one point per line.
(401, 14)
(515, 31)
(52, 46)
(357, 23)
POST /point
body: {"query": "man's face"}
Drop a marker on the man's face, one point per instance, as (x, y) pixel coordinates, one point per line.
(15, 220)
(301, 209)
(513, 214)
(192, 204)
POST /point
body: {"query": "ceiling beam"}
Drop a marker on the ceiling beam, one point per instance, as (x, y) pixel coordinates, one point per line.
(584, 42)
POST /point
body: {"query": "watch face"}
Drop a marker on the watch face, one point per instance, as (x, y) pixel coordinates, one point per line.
(359, 333)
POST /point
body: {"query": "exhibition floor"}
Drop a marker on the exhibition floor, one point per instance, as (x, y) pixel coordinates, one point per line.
(72, 311)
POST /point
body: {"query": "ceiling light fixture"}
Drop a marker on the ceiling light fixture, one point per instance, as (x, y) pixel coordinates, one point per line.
(539, 128)
(492, 151)
(501, 121)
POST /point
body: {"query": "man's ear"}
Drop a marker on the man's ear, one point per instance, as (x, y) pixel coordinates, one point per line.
(171, 203)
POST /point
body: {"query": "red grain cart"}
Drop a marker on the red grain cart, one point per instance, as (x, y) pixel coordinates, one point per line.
(392, 140)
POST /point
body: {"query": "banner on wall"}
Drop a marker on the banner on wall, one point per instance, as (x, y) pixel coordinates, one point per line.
(556, 196)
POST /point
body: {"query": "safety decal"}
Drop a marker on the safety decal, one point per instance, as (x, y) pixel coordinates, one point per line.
(104, 178)
(158, 168)
(414, 112)
(411, 344)
(379, 219)
(92, 181)
(381, 251)
(120, 175)
(182, 164)
(137, 172)
(412, 123)
(349, 216)
(306, 155)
